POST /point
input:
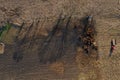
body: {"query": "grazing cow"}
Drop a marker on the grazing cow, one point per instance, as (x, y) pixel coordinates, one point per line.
(94, 45)
(113, 43)
(85, 47)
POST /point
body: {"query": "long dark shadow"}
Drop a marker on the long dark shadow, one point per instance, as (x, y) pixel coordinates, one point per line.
(23, 41)
(43, 49)
(64, 39)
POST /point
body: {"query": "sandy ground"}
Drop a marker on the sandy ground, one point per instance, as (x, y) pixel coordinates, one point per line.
(74, 65)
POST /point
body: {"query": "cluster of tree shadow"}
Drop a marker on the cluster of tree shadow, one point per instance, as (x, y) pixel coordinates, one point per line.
(42, 51)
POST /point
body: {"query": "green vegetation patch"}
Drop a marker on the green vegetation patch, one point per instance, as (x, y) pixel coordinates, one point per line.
(7, 33)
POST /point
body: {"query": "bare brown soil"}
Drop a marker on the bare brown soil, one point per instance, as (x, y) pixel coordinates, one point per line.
(36, 18)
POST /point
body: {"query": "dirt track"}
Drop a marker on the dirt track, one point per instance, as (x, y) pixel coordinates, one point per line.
(74, 64)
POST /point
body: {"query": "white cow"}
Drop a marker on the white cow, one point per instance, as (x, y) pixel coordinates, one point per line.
(113, 42)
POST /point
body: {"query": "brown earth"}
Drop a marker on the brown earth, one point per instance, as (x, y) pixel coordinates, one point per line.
(39, 17)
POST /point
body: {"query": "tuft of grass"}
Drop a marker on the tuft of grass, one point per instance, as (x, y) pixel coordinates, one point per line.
(114, 31)
(4, 30)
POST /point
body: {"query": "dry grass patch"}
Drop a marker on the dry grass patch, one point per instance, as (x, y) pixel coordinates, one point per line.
(58, 67)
